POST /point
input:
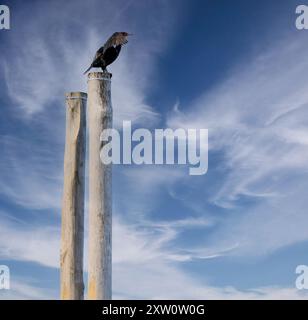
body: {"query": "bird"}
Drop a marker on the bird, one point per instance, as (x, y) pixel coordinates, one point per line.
(109, 52)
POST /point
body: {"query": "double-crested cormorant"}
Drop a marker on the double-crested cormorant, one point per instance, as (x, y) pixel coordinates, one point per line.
(109, 51)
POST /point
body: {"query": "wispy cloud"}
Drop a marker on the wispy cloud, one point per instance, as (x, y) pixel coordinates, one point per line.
(28, 175)
(22, 241)
(257, 121)
(22, 289)
(142, 258)
(142, 261)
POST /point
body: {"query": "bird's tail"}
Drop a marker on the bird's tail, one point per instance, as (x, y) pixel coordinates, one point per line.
(88, 69)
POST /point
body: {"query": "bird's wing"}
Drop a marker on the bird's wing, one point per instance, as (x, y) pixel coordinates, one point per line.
(99, 52)
(111, 54)
(113, 41)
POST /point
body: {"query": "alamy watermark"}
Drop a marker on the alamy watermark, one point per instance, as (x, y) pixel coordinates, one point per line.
(164, 146)
(301, 21)
(301, 282)
(5, 19)
(4, 277)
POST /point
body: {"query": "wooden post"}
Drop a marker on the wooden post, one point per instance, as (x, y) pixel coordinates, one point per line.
(100, 188)
(72, 287)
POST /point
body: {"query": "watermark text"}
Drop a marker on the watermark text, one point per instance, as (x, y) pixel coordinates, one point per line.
(164, 146)
(4, 277)
(5, 23)
(301, 21)
(301, 282)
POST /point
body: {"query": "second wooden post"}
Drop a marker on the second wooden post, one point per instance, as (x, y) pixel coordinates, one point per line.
(72, 287)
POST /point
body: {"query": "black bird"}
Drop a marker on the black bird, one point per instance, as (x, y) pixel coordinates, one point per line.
(109, 51)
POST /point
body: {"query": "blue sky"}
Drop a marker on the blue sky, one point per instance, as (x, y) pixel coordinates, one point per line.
(237, 68)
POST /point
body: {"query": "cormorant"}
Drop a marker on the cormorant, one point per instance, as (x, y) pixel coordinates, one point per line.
(109, 51)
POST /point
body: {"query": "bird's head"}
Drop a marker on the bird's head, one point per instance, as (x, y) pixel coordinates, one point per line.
(121, 37)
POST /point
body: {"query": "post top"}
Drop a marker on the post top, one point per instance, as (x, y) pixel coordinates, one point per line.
(76, 95)
(99, 76)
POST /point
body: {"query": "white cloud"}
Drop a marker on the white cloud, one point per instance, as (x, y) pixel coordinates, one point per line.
(161, 281)
(257, 118)
(22, 289)
(144, 265)
(144, 269)
(24, 242)
(148, 240)
(29, 176)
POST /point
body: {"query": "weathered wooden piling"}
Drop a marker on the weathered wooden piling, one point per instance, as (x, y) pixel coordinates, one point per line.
(100, 188)
(72, 233)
